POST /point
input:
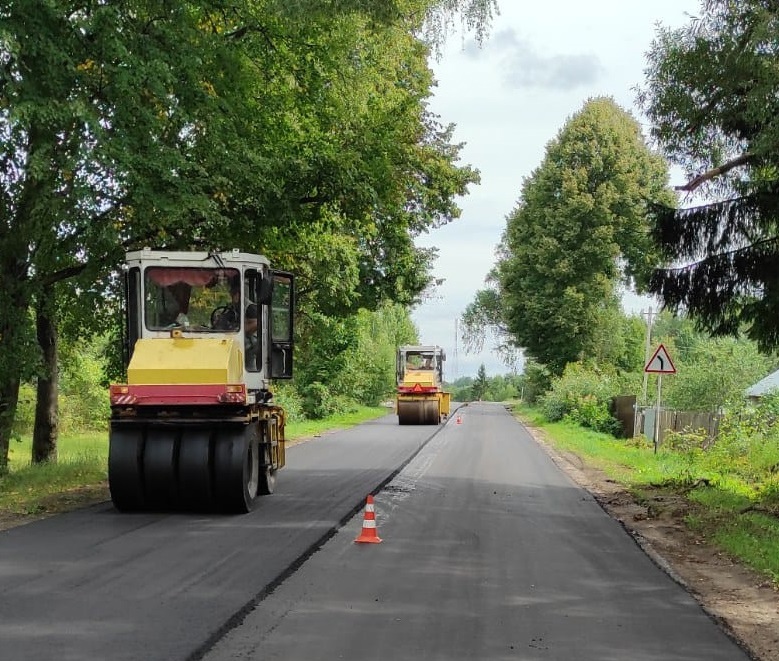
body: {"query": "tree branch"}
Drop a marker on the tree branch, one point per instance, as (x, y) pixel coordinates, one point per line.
(62, 274)
(726, 253)
(715, 172)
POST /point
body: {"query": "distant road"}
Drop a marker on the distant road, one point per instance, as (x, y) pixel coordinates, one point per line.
(489, 552)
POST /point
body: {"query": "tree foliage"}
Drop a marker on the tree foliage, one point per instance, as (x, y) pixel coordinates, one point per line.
(499, 388)
(479, 388)
(711, 96)
(578, 230)
(296, 129)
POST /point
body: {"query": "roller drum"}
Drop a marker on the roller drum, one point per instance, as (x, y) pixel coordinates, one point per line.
(125, 467)
(418, 412)
(196, 487)
(160, 468)
(236, 469)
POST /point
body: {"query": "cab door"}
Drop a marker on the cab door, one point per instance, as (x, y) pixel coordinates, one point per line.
(281, 326)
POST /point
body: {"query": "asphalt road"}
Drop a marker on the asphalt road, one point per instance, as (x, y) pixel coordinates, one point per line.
(98, 585)
(488, 552)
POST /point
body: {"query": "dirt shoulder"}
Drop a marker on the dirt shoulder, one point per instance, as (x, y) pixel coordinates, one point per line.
(744, 603)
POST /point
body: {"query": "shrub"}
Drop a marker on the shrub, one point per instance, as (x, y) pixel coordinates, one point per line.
(582, 396)
(589, 412)
(319, 401)
(748, 440)
(25, 411)
(286, 396)
(769, 492)
(687, 440)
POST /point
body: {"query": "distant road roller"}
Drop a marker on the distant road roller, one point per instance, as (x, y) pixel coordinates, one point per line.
(196, 427)
(421, 399)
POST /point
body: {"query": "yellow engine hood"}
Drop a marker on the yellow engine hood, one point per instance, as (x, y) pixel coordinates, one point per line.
(185, 360)
(425, 378)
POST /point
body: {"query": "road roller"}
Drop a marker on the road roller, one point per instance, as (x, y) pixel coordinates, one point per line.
(195, 427)
(421, 399)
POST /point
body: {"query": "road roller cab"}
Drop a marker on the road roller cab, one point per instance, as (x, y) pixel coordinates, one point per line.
(195, 426)
(421, 399)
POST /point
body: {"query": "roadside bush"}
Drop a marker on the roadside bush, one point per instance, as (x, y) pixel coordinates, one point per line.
(687, 440)
(748, 440)
(83, 393)
(589, 412)
(319, 401)
(286, 396)
(768, 493)
(640, 442)
(581, 396)
(534, 381)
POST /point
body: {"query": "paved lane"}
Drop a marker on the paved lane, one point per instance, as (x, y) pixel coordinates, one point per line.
(489, 552)
(99, 585)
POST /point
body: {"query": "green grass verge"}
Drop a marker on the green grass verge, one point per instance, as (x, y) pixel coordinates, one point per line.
(80, 473)
(309, 428)
(722, 506)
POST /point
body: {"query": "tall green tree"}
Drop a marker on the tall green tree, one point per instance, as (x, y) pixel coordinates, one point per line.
(710, 94)
(194, 124)
(578, 231)
(480, 384)
(369, 369)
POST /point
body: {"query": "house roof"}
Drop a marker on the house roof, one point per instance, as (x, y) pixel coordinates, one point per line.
(764, 386)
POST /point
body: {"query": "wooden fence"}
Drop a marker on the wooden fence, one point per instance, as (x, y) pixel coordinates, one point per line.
(641, 419)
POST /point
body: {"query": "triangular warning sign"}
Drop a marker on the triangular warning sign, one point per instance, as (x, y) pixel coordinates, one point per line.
(660, 362)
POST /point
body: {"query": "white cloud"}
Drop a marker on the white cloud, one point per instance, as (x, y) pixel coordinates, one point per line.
(523, 66)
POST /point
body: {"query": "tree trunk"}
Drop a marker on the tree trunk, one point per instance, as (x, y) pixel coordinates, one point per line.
(44, 437)
(13, 348)
(9, 396)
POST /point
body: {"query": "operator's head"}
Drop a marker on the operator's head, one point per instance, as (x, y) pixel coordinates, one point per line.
(235, 291)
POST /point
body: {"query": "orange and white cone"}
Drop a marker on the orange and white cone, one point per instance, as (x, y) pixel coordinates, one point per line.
(459, 420)
(368, 534)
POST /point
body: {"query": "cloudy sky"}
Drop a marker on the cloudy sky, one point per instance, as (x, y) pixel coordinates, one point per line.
(508, 99)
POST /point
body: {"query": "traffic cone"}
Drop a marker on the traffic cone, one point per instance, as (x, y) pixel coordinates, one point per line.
(459, 420)
(368, 534)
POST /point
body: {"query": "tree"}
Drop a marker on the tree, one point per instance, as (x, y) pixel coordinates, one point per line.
(578, 230)
(480, 383)
(710, 94)
(191, 124)
(483, 319)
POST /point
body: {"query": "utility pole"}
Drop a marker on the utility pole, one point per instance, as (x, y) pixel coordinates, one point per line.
(649, 320)
(456, 332)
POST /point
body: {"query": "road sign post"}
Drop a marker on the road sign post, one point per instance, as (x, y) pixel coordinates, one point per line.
(660, 363)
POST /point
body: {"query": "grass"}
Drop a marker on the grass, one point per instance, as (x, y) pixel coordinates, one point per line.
(80, 475)
(722, 505)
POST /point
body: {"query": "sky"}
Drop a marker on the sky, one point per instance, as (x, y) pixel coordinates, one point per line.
(508, 99)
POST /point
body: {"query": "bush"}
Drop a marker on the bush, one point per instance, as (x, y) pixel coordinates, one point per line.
(769, 492)
(319, 401)
(589, 412)
(25, 411)
(748, 440)
(687, 440)
(287, 397)
(581, 396)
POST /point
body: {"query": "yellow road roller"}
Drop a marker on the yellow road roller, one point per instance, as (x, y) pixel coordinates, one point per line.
(195, 427)
(421, 399)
